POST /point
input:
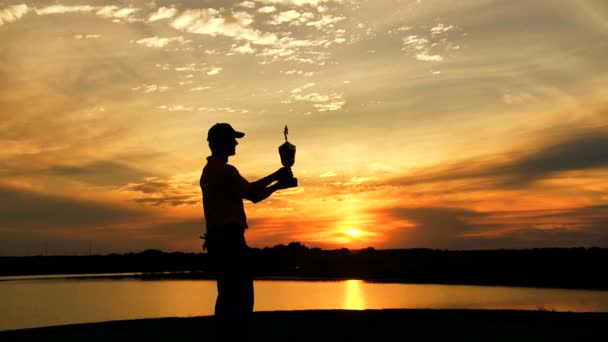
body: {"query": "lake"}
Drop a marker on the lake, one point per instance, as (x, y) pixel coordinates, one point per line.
(34, 302)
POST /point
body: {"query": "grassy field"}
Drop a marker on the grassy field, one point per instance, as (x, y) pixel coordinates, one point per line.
(343, 325)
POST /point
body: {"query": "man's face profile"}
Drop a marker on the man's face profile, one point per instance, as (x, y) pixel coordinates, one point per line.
(226, 146)
(231, 146)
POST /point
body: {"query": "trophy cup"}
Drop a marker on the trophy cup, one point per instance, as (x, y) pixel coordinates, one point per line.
(287, 152)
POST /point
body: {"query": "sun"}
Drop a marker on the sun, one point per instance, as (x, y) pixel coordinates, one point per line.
(352, 232)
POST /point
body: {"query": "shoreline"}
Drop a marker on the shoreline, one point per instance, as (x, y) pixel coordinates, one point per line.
(347, 325)
(189, 275)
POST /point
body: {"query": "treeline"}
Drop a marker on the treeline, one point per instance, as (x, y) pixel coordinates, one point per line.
(545, 267)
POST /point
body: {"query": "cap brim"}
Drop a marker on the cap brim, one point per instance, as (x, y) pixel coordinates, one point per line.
(238, 134)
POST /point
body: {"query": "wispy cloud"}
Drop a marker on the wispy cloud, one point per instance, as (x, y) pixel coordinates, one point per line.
(212, 22)
(306, 86)
(267, 9)
(62, 9)
(163, 13)
(297, 2)
(214, 71)
(330, 173)
(223, 110)
(322, 102)
(86, 36)
(585, 151)
(440, 28)
(460, 228)
(13, 13)
(292, 17)
(172, 191)
(284, 17)
(428, 47)
(115, 13)
(158, 42)
(515, 98)
(247, 4)
(428, 58)
(244, 49)
(297, 72)
(176, 108)
(51, 209)
(326, 21)
(151, 88)
(200, 88)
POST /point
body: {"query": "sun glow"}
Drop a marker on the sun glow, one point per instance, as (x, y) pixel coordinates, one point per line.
(352, 232)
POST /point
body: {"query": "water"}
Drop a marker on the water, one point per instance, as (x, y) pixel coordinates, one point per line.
(31, 302)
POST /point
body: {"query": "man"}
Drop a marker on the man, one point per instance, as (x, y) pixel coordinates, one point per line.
(223, 190)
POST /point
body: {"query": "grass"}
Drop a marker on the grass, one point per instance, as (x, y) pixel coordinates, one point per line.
(345, 325)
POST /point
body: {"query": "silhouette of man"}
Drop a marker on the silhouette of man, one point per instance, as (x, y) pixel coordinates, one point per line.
(223, 190)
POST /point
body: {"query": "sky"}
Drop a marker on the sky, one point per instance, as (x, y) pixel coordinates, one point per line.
(464, 124)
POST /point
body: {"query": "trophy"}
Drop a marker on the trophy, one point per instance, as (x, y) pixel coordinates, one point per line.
(287, 151)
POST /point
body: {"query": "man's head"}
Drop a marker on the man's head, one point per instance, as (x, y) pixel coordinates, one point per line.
(222, 139)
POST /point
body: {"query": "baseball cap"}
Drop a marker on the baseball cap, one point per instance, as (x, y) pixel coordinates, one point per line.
(223, 131)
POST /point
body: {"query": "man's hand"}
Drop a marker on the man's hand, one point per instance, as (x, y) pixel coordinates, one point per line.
(261, 189)
(283, 174)
(285, 178)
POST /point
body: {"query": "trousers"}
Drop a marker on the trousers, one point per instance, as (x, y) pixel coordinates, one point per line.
(231, 260)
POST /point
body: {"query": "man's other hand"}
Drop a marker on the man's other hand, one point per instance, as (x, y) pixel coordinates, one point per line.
(285, 178)
(283, 174)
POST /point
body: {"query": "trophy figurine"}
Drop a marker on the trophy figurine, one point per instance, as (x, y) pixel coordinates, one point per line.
(287, 151)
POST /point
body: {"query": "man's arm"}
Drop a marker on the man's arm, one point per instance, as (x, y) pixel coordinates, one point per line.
(263, 188)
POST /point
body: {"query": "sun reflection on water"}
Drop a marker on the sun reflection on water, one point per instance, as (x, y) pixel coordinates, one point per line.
(353, 296)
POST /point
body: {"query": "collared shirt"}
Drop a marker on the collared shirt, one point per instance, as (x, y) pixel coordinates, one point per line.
(223, 190)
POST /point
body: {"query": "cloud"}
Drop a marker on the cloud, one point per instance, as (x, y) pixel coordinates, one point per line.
(117, 14)
(212, 22)
(296, 2)
(61, 9)
(176, 108)
(26, 209)
(86, 36)
(214, 71)
(200, 88)
(151, 88)
(322, 102)
(415, 42)
(99, 173)
(267, 9)
(459, 228)
(284, 17)
(163, 13)
(584, 151)
(174, 191)
(245, 49)
(440, 28)
(13, 13)
(247, 4)
(306, 86)
(325, 21)
(428, 58)
(223, 110)
(297, 72)
(292, 17)
(424, 47)
(517, 98)
(157, 42)
(330, 173)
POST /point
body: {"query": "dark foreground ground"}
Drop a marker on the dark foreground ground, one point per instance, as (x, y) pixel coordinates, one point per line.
(350, 326)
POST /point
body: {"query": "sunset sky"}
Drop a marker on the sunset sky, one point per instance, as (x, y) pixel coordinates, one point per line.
(463, 124)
